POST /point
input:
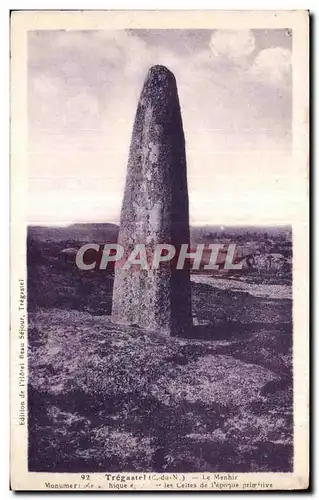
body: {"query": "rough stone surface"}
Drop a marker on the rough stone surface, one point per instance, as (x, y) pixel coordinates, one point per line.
(155, 211)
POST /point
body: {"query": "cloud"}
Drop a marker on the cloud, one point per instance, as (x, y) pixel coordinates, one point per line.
(83, 90)
(92, 79)
(78, 79)
(232, 44)
(272, 66)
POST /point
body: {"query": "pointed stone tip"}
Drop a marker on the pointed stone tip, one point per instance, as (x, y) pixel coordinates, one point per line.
(159, 92)
(159, 69)
(160, 74)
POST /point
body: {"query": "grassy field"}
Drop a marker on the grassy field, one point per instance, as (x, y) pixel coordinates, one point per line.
(110, 398)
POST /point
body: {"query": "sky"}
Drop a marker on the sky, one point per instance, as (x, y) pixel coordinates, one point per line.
(235, 94)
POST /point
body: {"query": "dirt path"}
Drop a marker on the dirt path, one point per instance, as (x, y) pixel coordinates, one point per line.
(257, 290)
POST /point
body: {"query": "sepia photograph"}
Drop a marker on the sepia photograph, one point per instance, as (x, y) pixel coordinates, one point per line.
(159, 197)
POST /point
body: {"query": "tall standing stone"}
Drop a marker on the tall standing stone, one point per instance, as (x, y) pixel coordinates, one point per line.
(155, 211)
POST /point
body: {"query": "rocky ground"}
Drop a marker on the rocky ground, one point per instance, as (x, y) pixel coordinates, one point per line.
(110, 398)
